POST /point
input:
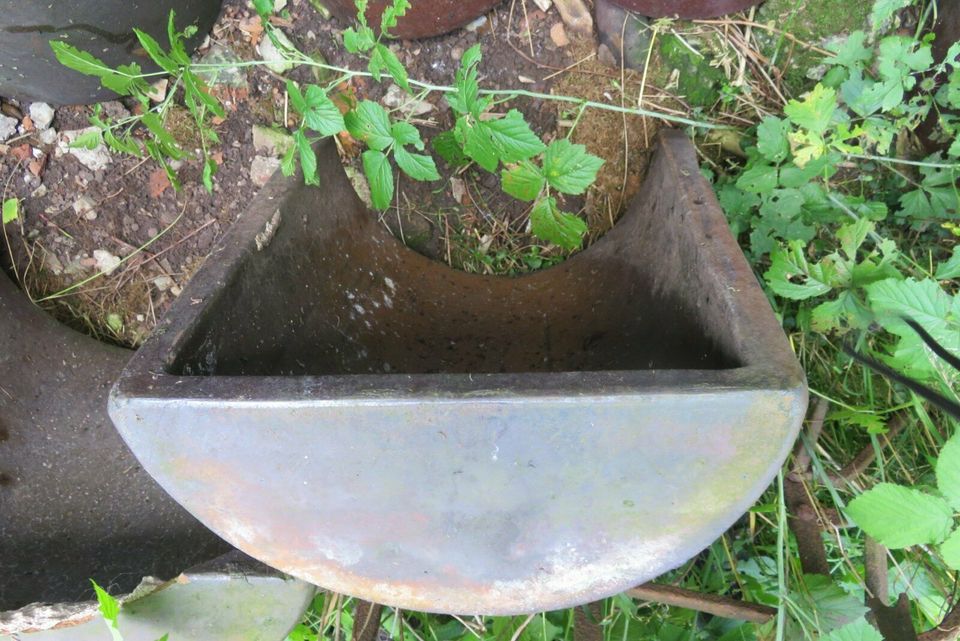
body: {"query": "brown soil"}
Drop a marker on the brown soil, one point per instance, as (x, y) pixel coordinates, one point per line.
(52, 247)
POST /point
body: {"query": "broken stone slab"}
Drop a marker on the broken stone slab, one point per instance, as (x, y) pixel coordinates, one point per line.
(271, 141)
(96, 159)
(262, 169)
(232, 598)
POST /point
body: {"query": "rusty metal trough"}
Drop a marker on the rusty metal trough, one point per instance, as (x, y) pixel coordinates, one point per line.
(356, 415)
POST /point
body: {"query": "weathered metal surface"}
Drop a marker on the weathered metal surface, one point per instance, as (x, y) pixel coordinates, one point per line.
(232, 598)
(686, 9)
(425, 18)
(74, 503)
(359, 416)
(28, 68)
(947, 32)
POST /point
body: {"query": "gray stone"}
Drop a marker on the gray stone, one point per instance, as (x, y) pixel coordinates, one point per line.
(106, 261)
(262, 168)
(271, 141)
(8, 127)
(84, 206)
(273, 55)
(94, 159)
(41, 114)
(48, 136)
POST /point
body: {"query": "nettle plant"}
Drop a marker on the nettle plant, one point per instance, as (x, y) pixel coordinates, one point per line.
(530, 169)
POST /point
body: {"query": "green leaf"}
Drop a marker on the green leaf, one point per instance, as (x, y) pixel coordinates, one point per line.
(859, 630)
(851, 52)
(73, 58)
(308, 158)
(832, 607)
(548, 223)
(477, 144)
(950, 550)
(772, 140)
(288, 164)
(948, 472)
(792, 276)
(156, 53)
(11, 210)
(467, 98)
(513, 137)
(950, 269)
(815, 112)
(406, 134)
(386, 59)
(569, 168)
(370, 123)
(446, 145)
(379, 174)
(396, 10)
(760, 179)
(209, 169)
(110, 609)
(321, 115)
(883, 10)
(359, 40)
(899, 517)
(88, 140)
(264, 7)
(417, 166)
(525, 181)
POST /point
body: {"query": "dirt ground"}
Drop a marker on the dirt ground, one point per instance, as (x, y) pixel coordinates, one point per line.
(79, 219)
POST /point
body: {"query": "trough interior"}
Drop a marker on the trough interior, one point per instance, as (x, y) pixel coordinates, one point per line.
(326, 290)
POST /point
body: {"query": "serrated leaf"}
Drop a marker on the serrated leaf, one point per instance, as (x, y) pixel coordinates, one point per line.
(264, 8)
(308, 158)
(851, 52)
(772, 142)
(155, 51)
(759, 179)
(478, 145)
(359, 40)
(569, 168)
(446, 145)
(548, 223)
(321, 115)
(883, 10)
(288, 164)
(379, 173)
(524, 181)
(406, 134)
(397, 9)
(792, 276)
(11, 210)
(950, 551)
(831, 606)
(951, 268)
(418, 166)
(815, 112)
(370, 123)
(948, 472)
(209, 169)
(899, 517)
(513, 137)
(859, 630)
(109, 609)
(88, 140)
(384, 58)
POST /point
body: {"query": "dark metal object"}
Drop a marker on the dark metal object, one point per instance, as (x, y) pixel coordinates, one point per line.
(232, 598)
(28, 68)
(74, 503)
(424, 19)
(359, 416)
(947, 32)
(686, 9)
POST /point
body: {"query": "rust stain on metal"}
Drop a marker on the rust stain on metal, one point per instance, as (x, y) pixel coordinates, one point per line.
(424, 19)
(686, 9)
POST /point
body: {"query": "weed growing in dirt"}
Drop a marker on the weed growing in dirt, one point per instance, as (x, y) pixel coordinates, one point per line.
(110, 610)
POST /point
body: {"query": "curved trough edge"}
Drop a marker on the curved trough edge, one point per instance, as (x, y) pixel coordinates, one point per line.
(232, 598)
(769, 368)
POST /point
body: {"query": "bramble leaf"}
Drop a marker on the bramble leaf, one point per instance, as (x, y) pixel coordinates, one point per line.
(569, 168)
(525, 181)
(418, 166)
(552, 225)
(321, 115)
(406, 134)
(370, 123)
(376, 166)
(859, 630)
(950, 551)
(384, 58)
(513, 137)
(449, 149)
(899, 517)
(815, 112)
(109, 609)
(308, 158)
(792, 276)
(772, 140)
(948, 471)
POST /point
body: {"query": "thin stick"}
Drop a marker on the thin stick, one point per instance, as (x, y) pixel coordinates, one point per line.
(714, 604)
